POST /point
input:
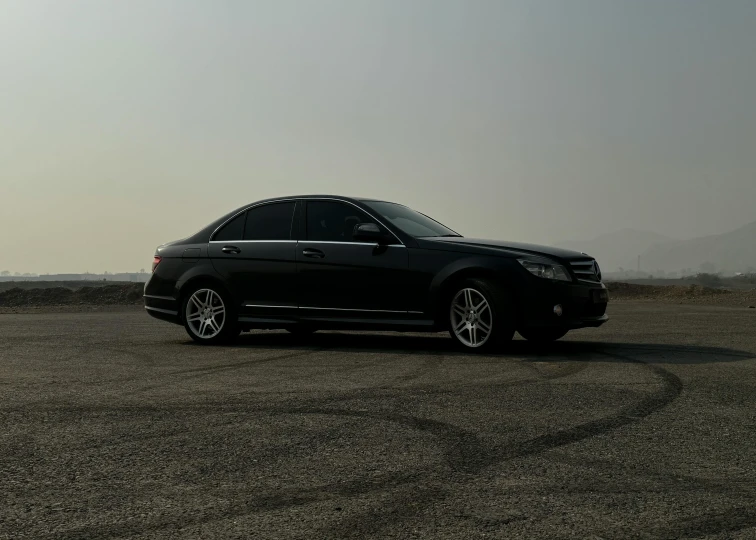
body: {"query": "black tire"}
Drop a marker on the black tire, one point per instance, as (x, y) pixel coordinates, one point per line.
(229, 326)
(543, 335)
(501, 317)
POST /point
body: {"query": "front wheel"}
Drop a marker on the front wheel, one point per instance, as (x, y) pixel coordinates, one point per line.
(481, 315)
(207, 316)
(543, 335)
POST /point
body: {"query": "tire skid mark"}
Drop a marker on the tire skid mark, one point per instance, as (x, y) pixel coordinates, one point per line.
(404, 505)
(264, 503)
(344, 369)
(460, 446)
(571, 368)
(144, 357)
(434, 388)
(671, 388)
(209, 370)
(727, 521)
(649, 471)
(431, 362)
(463, 451)
(381, 361)
(487, 457)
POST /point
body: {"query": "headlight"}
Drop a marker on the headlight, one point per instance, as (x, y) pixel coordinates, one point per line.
(546, 270)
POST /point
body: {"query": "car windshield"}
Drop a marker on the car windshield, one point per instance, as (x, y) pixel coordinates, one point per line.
(409, 221)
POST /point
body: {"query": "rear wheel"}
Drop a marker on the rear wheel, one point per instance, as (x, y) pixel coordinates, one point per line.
(543, 335)
(208, 317)
(481, 315)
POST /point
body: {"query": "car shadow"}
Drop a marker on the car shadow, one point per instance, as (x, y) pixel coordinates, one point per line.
(441, 344)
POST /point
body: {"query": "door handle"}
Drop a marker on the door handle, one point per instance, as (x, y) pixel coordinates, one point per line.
(313, 253)
(231, 249)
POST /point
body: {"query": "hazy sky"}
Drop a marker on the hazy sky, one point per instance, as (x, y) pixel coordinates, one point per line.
(125, 124)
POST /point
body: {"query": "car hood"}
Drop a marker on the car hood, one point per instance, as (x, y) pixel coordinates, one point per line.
(501, 247)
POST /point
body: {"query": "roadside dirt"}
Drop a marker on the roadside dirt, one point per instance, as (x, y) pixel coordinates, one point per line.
(690, 294)
(106, 295)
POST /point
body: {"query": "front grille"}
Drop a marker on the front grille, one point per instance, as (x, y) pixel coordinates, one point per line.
(586, 270)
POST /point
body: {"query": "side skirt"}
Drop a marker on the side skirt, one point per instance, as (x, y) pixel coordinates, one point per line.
(341, 323)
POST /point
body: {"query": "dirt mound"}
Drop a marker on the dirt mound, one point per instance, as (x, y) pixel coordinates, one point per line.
(106, 295)
(632, 290)
(695, 294)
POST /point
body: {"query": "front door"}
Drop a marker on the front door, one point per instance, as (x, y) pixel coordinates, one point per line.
(256, 256)
(338, 274)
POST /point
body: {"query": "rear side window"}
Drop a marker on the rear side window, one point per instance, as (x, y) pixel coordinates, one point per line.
(233, 230)
(269, 222)
(329, 221)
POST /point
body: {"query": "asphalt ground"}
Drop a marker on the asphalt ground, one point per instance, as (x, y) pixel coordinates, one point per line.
(115, 425)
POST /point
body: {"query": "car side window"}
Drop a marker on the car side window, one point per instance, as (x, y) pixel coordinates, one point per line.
(233, 230)
(331, 221)
(269, 222)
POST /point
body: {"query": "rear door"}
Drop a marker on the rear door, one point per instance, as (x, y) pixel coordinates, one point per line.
(343, 276)
(256, 256)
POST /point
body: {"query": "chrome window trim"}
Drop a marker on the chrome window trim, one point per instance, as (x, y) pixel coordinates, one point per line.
(250, 207)
(306, 199)
(252, 241)
(373, 244)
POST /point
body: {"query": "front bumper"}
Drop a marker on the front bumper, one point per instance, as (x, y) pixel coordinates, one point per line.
(583, 305)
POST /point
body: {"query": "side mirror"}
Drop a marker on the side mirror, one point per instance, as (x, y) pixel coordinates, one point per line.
(367, 232)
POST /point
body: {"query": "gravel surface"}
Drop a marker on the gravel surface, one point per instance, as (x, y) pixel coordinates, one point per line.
(117, 426)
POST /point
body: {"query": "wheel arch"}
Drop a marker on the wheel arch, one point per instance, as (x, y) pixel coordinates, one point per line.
(446, 281)
(195, 280)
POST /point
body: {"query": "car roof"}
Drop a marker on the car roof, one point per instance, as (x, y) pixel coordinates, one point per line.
(320, 196)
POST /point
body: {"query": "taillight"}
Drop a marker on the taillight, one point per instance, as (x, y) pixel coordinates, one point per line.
(155, 262)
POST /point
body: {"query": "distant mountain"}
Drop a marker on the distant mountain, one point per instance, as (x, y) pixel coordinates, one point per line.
(730, 252)
(617, 249)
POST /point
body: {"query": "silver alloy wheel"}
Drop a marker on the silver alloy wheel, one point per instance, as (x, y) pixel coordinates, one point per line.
(205, 313)
(471, 318)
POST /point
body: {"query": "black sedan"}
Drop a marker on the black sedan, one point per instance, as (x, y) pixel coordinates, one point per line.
(328, 262)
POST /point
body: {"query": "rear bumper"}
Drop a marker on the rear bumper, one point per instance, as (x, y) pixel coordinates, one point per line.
(165, 308)
(164, 314)
(580, 303)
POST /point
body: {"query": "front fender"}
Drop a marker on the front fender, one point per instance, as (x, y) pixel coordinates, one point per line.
(499, 269)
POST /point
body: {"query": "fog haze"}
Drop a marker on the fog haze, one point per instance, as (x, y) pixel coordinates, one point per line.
(128, 124)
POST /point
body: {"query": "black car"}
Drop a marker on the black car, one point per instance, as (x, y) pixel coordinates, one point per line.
(328, 262)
